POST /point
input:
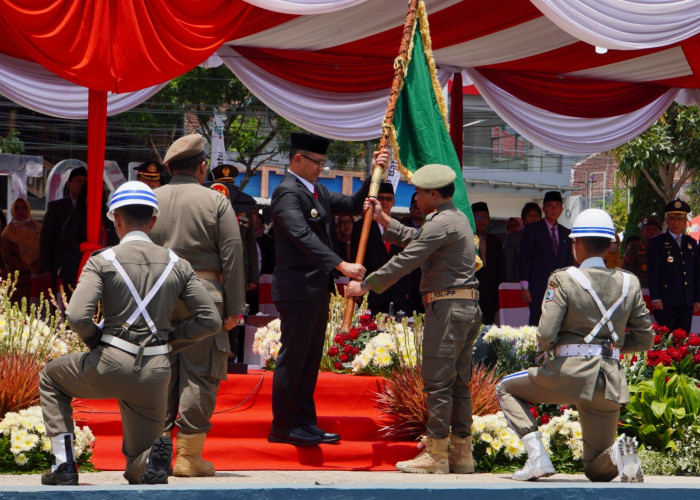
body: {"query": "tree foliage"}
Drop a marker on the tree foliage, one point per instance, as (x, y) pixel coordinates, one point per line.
(11, 143)
(667, 154)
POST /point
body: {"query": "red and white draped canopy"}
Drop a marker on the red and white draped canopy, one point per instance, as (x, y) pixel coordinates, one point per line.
(327, 64)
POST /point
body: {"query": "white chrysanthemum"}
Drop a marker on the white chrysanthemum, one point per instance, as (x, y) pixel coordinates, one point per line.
(514, 447)
(45, 444)
(382, 359)
(21, 459)
(29, 441)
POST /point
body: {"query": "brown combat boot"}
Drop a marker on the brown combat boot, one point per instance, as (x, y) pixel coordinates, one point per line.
(461, 459)
(189, 462)
(431, 460)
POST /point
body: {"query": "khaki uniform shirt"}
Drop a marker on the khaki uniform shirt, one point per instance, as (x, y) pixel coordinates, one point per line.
(443, 247)
(569, 313)
(144, 262)
(199, 225)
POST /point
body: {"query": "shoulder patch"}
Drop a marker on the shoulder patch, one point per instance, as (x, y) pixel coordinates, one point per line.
(549, 293)
(418, 233)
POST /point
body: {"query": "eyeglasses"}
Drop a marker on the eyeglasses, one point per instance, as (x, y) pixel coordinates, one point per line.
(385, 198)
(319, 163)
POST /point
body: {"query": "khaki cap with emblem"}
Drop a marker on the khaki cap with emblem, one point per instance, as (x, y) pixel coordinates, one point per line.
(186, 147)
(433, 176)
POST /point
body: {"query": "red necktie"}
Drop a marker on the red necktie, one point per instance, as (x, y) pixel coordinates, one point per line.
(388, 246)
(315, 193)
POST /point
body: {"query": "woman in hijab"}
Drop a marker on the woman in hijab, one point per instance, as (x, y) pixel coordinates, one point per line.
(19, 245)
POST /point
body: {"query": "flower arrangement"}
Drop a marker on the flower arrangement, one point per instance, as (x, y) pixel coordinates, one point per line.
(24, 446)
(517, 348)
(347, 346)
(27, 342)
(563, 439)
(267, 343)
(674, 348)
(496, 447)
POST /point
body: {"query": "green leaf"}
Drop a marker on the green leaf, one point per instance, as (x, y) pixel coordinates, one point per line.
(658, 408)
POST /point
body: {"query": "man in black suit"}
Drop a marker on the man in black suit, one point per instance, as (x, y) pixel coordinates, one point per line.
(51, 247)
(302, 214)
(546, 246)
(378, 251)
(492, 274)
(673, 264)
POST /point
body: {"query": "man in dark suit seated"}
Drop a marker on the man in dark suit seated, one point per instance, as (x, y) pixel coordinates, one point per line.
(378, 251)
(302, 214)
(546, 246)
(493, 272)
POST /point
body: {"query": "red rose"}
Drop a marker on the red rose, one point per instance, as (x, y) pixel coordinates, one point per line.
(355, 350)
(694, 339)
(339, 339)
(634, 358)
(655, 327)
(684, 350)
(544, 419)
(347, 348)
(663, 330)
(365, 319)
(563, 408)
(674, 354)
(679, 336)
(344, 358)
(333, 350)
(696, 359)
(354, 334)
(533, 412)
(372, 326)
(657, 339)
(665, 359)
(338, 365)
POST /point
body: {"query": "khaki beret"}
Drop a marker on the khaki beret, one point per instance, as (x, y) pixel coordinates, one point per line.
(185, 147)
(434, 176)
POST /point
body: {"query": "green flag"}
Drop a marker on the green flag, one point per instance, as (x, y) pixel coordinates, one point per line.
(420, 126)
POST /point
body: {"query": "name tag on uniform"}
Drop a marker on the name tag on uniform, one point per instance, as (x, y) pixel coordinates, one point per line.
(443, 293)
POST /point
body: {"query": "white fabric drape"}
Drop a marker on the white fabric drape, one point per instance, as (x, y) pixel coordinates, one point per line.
(688, 97)
(35, 87)
(625, 24)
(342, 116)
(566, 134)
(304, 7)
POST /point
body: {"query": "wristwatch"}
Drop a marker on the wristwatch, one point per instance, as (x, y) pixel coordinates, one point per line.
(363, 285)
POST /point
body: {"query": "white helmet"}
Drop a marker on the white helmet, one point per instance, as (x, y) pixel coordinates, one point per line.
(132, 193)
(593, 223)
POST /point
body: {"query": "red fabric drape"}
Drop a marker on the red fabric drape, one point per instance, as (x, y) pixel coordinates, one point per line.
(120, 46)
(97, 131)
(581, 97)
(457, 115)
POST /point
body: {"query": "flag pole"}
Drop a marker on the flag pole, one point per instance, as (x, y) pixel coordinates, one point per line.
(383, 141)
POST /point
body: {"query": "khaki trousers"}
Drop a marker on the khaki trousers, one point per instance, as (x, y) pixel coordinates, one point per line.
(598, 419)
(450, 329)
(196, 373)
(108, 373)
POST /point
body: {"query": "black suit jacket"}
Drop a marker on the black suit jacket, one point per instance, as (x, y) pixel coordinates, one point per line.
(51, 242)
(304, 236)
(676, 283)
(491, 275)
(537, 259)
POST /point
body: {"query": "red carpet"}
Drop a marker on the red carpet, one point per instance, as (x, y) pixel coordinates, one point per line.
(241, 423)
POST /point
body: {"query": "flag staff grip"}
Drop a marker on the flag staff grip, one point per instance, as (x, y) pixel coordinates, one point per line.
(399, 71)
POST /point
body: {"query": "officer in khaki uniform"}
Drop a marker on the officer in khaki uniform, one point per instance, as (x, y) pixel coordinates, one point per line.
(589, 315)
(200, 226)
(444, 249)
(137, 283)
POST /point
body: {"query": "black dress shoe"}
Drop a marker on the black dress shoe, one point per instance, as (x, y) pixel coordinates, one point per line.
(296, 436)
(159, 462)
(326, 437)
(65, 474)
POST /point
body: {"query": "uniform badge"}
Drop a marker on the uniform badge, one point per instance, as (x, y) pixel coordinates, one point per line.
(669, 259)
(220, 188)
(690, 247)
(549, 294)
(314, 213)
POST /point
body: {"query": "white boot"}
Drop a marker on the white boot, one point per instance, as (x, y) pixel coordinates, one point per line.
(624, 454)
(538, 463)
